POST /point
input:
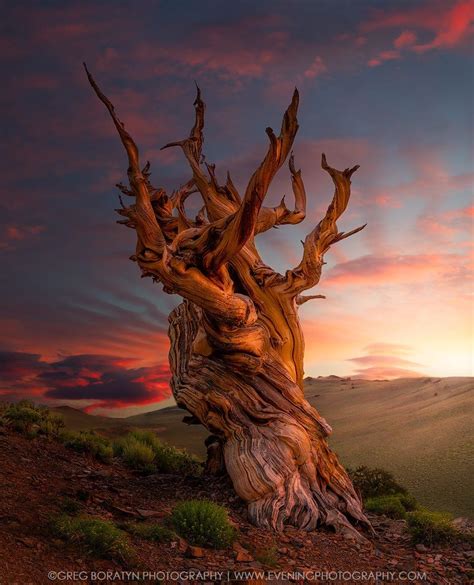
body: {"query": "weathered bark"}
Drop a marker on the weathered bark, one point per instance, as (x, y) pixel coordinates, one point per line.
(237, 347)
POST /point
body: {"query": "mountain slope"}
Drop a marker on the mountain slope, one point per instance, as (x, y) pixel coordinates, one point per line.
(418, 428)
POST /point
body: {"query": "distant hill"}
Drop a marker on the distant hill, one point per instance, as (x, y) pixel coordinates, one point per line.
(418, 428)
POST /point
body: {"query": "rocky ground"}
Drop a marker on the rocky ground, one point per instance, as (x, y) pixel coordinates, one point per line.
(36, 475)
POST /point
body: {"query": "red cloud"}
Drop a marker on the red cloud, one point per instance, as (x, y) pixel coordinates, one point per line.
(103, 381)
(450, 23)
(453, 29)
(405, 39)
(315, 69)
(14, 233)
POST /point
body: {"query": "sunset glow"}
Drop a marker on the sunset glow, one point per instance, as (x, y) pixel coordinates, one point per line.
(387, 86)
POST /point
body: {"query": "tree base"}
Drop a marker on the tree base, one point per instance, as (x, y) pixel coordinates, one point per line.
(273, 441)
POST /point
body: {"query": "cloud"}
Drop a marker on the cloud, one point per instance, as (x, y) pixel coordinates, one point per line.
(102, 381)
(450, 24)
(405, 39)
(394, 269)
(316, 68)
(11, 234)
(391, 348)
(384, 360)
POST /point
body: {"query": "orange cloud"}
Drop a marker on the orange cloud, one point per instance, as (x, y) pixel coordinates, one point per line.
(393, 269)
(383, 361)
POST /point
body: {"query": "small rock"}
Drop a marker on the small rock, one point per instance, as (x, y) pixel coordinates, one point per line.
(150, 513)
(195, 552)
(243, 556)
(421, 548)
(29, 542)
(123, 511)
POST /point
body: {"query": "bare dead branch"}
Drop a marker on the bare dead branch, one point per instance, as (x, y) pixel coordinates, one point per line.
(242, 225)
(317, 243)
(141, 214)
(274, 216)
(217, 206)
(301, 299)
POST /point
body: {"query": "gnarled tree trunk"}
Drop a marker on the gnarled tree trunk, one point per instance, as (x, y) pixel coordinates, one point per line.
(237, 347)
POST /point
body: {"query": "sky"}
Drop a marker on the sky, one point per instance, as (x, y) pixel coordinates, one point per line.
(387, 85)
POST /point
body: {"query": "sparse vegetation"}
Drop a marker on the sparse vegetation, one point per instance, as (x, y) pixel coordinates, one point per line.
(268, 556)
(430, 528)
(137, 455)
(168, 459)
(88, 442)
(100, 538)
(30, 419)
(151, 531)
(144, 451)
(391, 506)
(203, 523)
(373, 482)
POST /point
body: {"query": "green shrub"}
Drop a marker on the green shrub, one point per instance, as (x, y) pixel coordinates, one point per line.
(154, 532)
(98, 537)
(144, 451)
(372, 482)
(390, 506)
(137, 455)
(169, 459)
(88, 442)
(25, 417)
(430, 528)
(408, 502)
(203, 523)
(147, 437)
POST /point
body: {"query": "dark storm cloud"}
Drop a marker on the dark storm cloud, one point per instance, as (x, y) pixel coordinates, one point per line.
(103, 380)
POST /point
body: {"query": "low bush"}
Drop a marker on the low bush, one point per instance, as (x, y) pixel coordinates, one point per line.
(430, 528)
(30, 419)
(203, 523)
(267, 556)
(137, 455)
(144, 451)
(100, 538)
(169, 459)
(151, 531)
(88, 442)
(408, 501)
(390, 506)
(373, 482)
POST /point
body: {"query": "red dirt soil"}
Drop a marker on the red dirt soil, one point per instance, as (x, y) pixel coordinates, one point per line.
(37, 474)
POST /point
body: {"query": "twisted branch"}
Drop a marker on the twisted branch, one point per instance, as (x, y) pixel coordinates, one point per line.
(317, 243)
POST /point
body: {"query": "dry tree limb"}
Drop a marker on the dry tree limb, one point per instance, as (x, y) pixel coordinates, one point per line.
(317, 243)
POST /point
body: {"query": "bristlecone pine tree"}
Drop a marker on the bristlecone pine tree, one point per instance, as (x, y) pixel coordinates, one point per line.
(237, 346)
